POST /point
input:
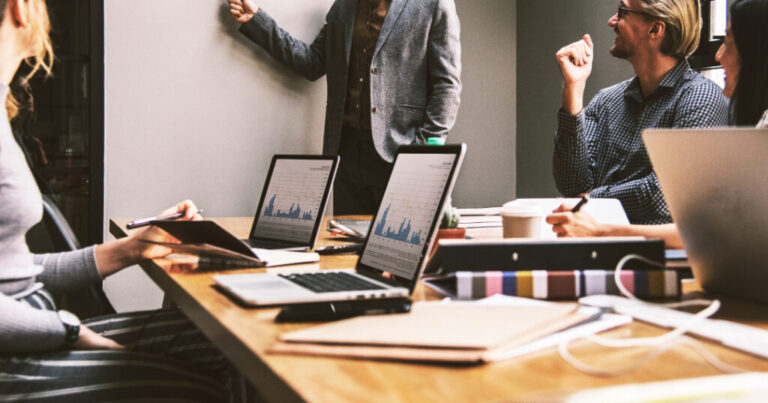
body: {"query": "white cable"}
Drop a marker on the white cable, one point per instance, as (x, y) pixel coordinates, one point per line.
(619, 266)
(657, 340)
(661, 343)
(695, 345)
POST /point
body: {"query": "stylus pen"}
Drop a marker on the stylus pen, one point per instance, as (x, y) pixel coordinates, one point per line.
(146, 221)
(580, 204)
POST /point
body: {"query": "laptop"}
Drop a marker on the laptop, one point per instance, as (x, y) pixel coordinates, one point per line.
(714, 181)
(395, 250)
(292, 202)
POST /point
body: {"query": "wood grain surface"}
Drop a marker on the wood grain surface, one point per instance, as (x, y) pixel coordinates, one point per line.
(243, 334)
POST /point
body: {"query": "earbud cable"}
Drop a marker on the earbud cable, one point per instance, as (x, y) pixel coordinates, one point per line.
(660, 343)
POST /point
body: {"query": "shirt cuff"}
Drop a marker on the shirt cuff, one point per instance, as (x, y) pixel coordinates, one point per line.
(94, 275)
(600, 193)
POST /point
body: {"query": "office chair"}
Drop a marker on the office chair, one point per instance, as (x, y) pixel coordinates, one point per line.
(53, 234)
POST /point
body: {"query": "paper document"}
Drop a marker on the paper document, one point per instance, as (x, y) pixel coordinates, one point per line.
(464, 212)
(480, 221)
(605, 211)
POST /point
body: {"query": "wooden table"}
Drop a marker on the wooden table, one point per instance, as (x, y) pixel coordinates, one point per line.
(243, 335)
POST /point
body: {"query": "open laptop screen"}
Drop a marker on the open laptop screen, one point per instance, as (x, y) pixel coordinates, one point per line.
(411, 205)
(293, 200)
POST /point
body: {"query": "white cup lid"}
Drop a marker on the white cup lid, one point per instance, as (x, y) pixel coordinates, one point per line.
(520, 209)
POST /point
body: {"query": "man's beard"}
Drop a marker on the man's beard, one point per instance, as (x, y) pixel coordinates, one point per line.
(619, 52)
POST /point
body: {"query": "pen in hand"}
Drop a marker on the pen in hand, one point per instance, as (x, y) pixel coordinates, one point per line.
(580, 204)
(147, 221)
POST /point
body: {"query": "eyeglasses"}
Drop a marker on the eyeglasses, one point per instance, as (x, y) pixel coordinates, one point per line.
(623, 11)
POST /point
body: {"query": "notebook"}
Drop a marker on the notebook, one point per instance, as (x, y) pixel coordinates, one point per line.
(292, 202)
(714, 183)
(395, 250)
(436, 331)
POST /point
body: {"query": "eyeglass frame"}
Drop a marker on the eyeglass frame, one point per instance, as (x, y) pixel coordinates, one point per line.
(623, 11)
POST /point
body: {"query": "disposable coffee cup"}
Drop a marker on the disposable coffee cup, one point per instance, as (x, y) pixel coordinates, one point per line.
(521, 220)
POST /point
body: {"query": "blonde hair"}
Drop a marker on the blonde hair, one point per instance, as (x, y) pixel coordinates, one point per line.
(40, 26)
(683, 25)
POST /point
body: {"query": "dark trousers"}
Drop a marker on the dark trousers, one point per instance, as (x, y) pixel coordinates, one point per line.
(166, 358)
(362, 177)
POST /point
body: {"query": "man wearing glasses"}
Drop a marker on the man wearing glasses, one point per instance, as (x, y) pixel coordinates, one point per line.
(599, 149)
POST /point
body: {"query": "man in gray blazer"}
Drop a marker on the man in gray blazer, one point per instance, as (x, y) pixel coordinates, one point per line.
(393, 70)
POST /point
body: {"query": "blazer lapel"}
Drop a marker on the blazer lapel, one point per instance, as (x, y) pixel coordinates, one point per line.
(395, 8)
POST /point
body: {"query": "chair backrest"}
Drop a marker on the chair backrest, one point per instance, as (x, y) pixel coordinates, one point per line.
(54, 234)
(61, 233)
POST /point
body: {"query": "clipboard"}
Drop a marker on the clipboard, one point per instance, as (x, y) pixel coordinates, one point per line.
(218, 246)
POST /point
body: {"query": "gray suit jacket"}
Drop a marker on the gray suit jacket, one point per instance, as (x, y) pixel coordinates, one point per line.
(414, 75)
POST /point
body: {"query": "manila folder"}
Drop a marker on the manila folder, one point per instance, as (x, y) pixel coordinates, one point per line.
(433, 331)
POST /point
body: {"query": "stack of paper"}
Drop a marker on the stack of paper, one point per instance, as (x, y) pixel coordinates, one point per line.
(607, 211)
(479, 217)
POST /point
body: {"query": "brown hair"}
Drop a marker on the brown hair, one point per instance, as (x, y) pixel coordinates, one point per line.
(40, 25)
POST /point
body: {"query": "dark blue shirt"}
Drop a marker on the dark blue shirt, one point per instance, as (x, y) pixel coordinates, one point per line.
(601, 149)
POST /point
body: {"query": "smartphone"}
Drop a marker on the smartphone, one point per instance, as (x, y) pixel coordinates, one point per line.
(327, 311)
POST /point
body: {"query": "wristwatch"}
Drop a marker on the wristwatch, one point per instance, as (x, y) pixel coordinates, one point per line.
(72, 326)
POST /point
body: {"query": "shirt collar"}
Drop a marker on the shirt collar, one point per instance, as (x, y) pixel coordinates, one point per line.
(670, 80)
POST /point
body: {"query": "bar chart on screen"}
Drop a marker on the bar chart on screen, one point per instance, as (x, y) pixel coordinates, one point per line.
(407, 212)
(293, 198)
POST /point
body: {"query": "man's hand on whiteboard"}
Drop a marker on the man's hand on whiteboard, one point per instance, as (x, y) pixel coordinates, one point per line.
(242, 10)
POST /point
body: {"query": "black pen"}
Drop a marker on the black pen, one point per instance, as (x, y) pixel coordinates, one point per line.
(580, 204)
(147, 221)
(330, 250)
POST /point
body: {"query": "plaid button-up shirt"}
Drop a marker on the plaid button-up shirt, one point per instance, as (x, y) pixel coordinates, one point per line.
(601, 149)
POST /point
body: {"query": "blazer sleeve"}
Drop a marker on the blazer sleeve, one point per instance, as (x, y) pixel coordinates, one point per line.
(444, 60)
(305, 59)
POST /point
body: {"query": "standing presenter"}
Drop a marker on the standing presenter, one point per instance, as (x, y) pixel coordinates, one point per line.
(393, 70)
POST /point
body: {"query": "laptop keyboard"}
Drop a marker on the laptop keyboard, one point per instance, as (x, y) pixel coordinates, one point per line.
(330, 282)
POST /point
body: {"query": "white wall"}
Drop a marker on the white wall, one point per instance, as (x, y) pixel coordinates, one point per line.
(194, 110)
(488, 113)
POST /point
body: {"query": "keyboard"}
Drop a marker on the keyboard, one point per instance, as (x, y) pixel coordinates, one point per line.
(330, 282)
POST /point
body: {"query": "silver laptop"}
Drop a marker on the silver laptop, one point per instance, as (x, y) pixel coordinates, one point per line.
(395, 250)
(293, 201)
(715, 182)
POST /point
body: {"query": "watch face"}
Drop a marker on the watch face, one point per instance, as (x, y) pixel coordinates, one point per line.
(69, 318)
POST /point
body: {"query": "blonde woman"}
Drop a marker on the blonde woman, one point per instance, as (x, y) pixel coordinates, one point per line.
(47, 354)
